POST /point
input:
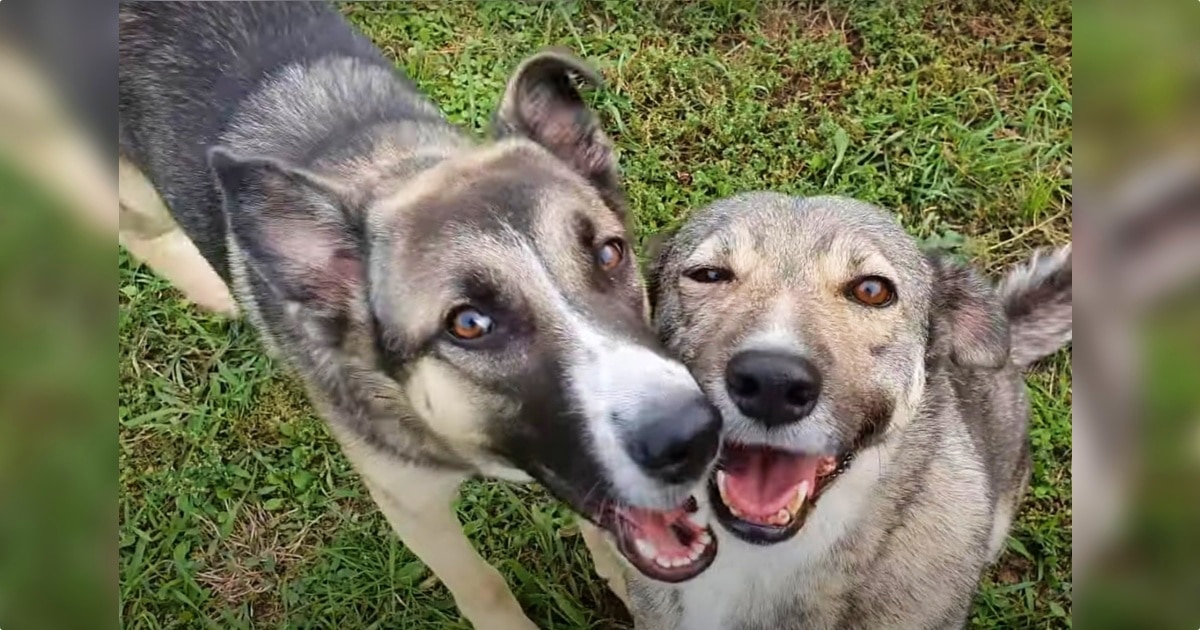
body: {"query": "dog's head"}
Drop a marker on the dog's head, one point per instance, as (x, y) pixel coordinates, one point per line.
(496, 294)
(810, 323)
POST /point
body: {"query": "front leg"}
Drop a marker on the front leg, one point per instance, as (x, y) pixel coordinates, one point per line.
(417, 503)
(604, 559)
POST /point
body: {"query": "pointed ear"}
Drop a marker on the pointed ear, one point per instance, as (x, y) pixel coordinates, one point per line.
(542, 103)
(967, 319)
(292, 227)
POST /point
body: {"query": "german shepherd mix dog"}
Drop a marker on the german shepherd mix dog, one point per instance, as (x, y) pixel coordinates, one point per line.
(453, 309)
(876, 444)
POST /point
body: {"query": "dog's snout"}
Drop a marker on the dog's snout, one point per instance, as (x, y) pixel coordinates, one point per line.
(774, 388)
(678, 440)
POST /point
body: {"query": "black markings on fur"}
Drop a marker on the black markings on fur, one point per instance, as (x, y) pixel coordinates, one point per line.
(876, 413)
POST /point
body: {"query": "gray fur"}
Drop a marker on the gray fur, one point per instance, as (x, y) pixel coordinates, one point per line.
(352, 221)
(900, 539)
(1037, 302)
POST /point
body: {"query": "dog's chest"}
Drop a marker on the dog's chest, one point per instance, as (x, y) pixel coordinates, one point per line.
(767, 588)
(800, 583)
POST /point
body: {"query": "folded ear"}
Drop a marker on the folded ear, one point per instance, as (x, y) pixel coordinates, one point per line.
(542, 103)
(967, 319)
(291, 225)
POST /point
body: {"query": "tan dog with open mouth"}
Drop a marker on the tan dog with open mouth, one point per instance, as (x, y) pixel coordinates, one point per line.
(876, 445)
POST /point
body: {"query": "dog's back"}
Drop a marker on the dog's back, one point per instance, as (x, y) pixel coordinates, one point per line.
(189, 74)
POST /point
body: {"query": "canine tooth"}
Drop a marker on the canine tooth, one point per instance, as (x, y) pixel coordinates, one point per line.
(645, 548)
(705, 539)
(663, 562)
(782, 517)
(721, 479)
(798, 501)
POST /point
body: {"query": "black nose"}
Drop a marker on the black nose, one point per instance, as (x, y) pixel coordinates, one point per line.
(774, 388)
(677, 439)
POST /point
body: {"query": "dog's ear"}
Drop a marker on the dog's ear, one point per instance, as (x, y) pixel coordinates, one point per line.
(542, 102)
(966, 316)
(293, 229)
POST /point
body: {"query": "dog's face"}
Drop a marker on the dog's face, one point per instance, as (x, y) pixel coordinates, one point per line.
(809, 322)
(502, 299)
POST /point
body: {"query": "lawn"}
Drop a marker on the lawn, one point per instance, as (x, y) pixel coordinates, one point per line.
(236, 508)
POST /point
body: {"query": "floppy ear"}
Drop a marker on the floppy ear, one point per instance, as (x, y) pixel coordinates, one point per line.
(292, 227)
(967, 319)
(542, 103)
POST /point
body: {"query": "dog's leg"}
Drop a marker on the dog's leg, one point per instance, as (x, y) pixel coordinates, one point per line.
(608, 565)
(48, 146)
(417, 503)
(152, 236)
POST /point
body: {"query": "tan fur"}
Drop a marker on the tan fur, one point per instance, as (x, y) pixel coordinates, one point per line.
(459, 409)
(605, 559)
(900, 537)
(149, 233)
(843, 328)
(357, 219)
(42, 141)
(417, 503)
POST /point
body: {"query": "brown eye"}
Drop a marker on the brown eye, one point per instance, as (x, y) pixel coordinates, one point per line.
(873, 291)
(610, 254)
(467, 323)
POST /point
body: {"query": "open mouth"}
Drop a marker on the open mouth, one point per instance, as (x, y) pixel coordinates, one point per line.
(665, 545)
(763, 495)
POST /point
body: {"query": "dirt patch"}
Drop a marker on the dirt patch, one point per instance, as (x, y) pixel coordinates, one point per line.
(783, 25)
(1011, 569)
(250, 566)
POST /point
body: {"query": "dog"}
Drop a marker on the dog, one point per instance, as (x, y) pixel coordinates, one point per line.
(454, 309)
(875, 414)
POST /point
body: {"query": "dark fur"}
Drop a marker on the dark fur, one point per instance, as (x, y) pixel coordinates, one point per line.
(352, 220)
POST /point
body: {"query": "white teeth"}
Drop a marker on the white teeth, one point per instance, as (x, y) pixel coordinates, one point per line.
(798, 501)
(704, 539)
(663, 562)
(721, 479)
(782, 517)
(681, 562)
(645, 548)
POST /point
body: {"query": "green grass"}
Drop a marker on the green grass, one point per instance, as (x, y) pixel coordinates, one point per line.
(236, 508)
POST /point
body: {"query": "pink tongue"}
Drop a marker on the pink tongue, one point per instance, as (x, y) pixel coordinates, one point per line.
(761, 482)
(655, 527)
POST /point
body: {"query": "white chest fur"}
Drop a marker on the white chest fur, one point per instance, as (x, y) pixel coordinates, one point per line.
(750, 581)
